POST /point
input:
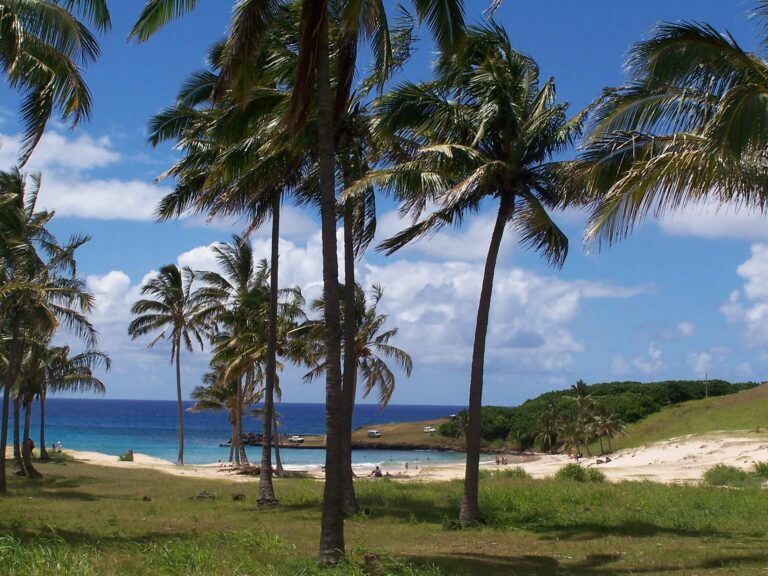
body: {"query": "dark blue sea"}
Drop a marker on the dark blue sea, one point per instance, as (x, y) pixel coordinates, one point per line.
(150, 427)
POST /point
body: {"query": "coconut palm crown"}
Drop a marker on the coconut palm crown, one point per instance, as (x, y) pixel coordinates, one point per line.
(486, 130)
(689, 127)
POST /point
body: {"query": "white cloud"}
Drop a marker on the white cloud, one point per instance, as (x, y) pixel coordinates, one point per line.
(650, 363)
(67, 187)
(685, 328)
(712, 221)
(700, 362)
(749, 306)
(58, 152)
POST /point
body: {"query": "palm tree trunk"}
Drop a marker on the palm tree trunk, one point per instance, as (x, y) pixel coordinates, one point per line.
(350, 503)
(602, 449)
(266, 489)
(332, 524)
(43, 396)
(469, 512)
(278, 461)
(18, 461)
(26, 452)
(237, 436)
(10, 380)
(180, 406)
(610, 448)
(240, 441)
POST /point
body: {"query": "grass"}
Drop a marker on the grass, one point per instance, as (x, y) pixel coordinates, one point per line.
(410, 434)
(83, 519)
(745, 410)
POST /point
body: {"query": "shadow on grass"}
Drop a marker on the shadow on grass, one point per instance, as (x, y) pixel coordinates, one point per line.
(635, 529)
(593, 565)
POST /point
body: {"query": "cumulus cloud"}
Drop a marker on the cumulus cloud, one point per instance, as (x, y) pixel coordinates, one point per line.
(685, 328)
(651, 362)
(434, 305)
(712, 221)
(748, 307)
(69, 187)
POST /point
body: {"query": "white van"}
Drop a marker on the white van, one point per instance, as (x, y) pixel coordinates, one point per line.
(374, 434)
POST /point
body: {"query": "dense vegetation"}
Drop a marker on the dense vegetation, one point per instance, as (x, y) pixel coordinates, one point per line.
(627, 401)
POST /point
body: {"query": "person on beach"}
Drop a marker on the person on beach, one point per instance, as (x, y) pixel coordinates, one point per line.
(376, 472)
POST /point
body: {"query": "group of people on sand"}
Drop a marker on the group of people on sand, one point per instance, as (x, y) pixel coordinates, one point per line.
(502, 461)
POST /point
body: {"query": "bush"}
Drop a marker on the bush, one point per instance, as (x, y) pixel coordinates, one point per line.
(594, 475)
(760, 469)
(724, 475)
(576, 473)
(514, 473)
(126, 456)
(572, 472)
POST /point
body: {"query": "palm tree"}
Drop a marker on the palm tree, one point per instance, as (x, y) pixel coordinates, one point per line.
(370, 350)
(243, 288)
(485, 129)
(251, 22)
(65, 373)
(43, 47)
(39, 288)
(224, 395)
(547, 427)
(688, 127)
(176, 308)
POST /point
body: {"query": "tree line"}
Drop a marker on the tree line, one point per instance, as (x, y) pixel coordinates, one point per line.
(286, 113)
(578, 416)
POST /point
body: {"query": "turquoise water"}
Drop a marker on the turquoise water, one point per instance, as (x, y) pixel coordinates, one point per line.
(149, 427)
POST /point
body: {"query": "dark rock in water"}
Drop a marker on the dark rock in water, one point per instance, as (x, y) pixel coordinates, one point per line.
(147, 499)
(599, 461)
(238, 497)
(205, 495)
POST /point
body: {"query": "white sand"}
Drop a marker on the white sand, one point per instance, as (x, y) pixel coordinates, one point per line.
(676, 460)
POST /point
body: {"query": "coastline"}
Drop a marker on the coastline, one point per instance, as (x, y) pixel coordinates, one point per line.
(678, 460)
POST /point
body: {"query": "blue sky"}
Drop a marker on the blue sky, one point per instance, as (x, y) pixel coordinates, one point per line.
(680, 298)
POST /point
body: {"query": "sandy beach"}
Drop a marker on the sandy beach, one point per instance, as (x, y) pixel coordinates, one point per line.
(677, 460)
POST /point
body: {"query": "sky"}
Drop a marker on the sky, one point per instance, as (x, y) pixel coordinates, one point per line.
(684, 297)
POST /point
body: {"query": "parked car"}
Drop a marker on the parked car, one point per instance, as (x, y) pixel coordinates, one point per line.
(428, 429)
(374, 434)
(296, 439)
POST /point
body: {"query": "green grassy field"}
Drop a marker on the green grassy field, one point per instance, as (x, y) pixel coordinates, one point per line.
(82, 519)
(746, 410)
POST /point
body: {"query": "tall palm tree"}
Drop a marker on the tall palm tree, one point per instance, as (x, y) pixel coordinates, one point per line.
(547, 427)
(65, 373)
(243, 290)
(688, 127)
(43, 47)
(218, 395)
(370, 352)
(251, 22)
(485, 130)
(39, 288)
(175, 308)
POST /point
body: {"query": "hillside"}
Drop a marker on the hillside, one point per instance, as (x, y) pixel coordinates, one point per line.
(745, 410)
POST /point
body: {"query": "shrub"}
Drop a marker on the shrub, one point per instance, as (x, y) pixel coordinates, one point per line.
(595, 475)
(576, 473)
(126, 456)
(760, 469)
(514, 473)
(724, 475)
(572, 472)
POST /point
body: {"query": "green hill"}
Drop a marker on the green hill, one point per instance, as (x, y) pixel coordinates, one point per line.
(745, 410)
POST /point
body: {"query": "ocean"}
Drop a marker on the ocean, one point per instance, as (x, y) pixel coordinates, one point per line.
(150, 427)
